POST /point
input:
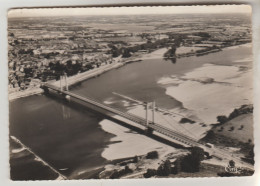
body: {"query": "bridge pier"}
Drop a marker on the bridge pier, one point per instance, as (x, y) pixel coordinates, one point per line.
(148, 131)
(67, 97)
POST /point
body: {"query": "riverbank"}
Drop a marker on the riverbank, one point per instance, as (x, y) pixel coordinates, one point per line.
(25, 93)
(88, 74)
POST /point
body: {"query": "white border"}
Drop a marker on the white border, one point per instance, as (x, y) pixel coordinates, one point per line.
(4, 143)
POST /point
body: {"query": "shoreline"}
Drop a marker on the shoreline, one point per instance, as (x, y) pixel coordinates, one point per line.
(25, 93)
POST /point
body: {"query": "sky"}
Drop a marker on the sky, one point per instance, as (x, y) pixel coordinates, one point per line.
(129, 10)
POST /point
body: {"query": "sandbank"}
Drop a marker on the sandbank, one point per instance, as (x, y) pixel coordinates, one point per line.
(227, 88)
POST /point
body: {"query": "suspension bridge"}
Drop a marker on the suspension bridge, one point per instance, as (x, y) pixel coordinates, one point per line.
(143, 123)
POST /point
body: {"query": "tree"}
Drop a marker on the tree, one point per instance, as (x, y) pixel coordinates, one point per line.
(234, 114)
(127, 170)
(51, 65)
(149, 173)
(171, 52)
(76, 67)
(152, 155)
(178, 40)
(191, 162)
(251, 154)
(126, 53)
(69, 63)
(211, 135)
(115, 175)
(16, 42)
(135, 159)
(232, 128)
(114, 51)
(164, 169)
(197, 153)
(149, 41)
(222, 119)
(177, 166)
(59, 67)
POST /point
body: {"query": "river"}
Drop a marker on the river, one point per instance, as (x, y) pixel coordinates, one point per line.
(70, 138)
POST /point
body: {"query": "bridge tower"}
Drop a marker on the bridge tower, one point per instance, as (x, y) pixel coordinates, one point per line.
(153, 108)
(61, 83)
(146, 114)
(149, 130)
(67, 97)
(66, 82)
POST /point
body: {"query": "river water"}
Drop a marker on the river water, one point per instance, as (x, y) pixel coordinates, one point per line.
(69, 136)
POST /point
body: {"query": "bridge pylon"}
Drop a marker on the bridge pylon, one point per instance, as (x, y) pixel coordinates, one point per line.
(66, 82)
(146, 114)
(153, 109)
(149, 130)
(61, 83)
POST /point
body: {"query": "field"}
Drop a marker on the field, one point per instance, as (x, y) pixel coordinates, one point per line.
(239, 128)
(122, 27)
(206, 170)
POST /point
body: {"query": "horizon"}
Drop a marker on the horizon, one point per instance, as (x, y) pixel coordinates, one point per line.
(113, 11)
